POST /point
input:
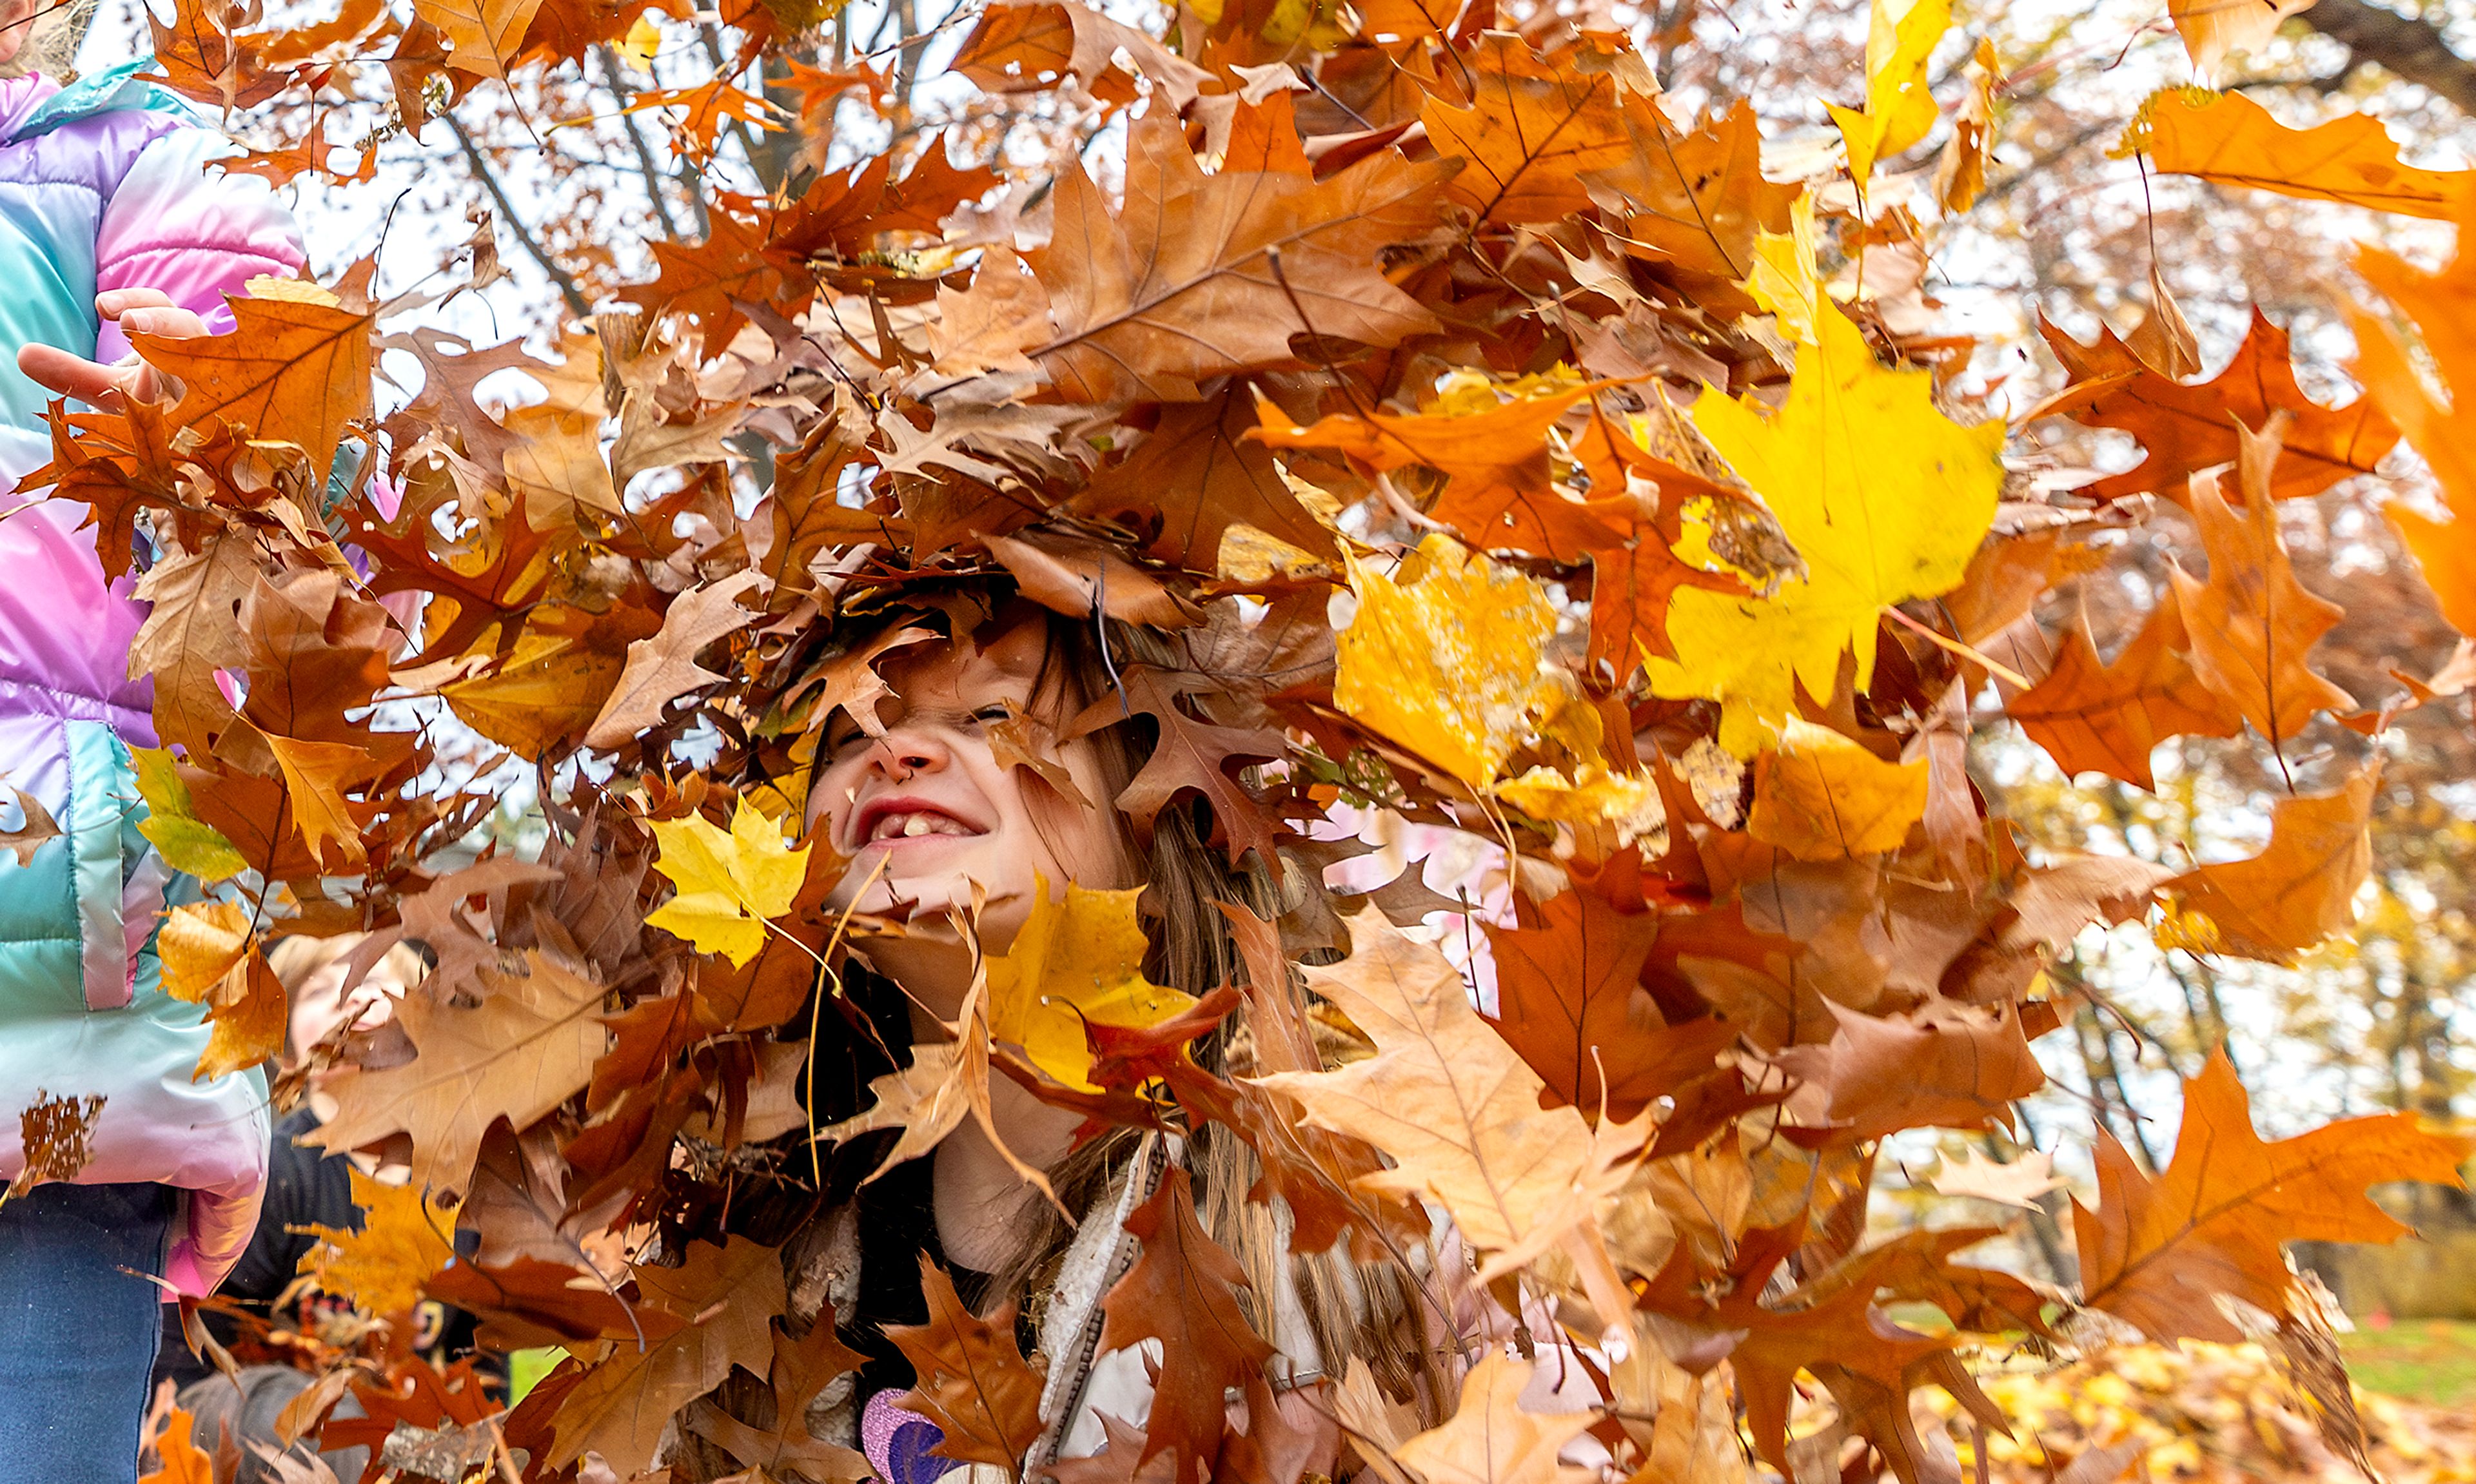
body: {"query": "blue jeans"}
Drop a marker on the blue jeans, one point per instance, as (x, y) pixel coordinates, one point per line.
(77, 1334)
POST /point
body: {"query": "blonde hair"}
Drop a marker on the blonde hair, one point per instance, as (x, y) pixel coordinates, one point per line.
(53, 36)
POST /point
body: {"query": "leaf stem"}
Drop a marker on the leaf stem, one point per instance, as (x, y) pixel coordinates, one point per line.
(1970, 652)
(817, 1008)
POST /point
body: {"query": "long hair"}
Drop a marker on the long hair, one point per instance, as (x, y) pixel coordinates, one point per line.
(1353, 1311)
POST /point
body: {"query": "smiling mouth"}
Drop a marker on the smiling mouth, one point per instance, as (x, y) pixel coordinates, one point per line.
(916, 825)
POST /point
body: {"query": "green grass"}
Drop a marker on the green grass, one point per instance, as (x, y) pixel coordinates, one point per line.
(524, 1368)
(2430, 1360)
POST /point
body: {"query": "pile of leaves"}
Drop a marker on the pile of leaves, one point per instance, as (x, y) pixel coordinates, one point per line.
(2211, 1412)
(1488, 443)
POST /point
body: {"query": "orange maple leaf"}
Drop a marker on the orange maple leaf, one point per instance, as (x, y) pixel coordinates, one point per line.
(1499, 493)
(2186, 427)
(1533, 126)
(2092, 716)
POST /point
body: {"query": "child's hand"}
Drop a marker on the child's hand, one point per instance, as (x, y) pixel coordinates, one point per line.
(139, 312)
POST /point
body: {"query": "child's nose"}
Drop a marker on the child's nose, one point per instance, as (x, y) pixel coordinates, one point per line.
(905, 752)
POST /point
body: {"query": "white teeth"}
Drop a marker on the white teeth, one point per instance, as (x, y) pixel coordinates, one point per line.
(913, 824)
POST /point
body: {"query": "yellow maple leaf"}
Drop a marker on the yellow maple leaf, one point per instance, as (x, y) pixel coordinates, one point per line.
(728, 884)
(637, 47)
(185, 841)
(1885, 498)
(1443, 657)
(1821, 796)
(400, 1247)
(200, 943)
(1075, 961)
(1626, 803)
(1784, 280)
(1900, 37)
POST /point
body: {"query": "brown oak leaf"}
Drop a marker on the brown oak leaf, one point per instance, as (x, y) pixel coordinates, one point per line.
(2092, 716)
(2157, 1252)
(1570, 1005)
(973, 1380)
(1182, 1292)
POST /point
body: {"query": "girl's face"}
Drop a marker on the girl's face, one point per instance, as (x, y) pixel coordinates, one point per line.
(321, 1004)
(925, 809)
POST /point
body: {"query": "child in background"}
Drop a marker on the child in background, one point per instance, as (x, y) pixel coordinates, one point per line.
(305, 1187)
(112, 220)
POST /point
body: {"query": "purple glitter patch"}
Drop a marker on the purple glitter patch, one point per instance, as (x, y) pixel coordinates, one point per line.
(898, 1442)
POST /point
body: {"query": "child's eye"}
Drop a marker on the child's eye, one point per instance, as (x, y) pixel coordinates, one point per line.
(993, 714)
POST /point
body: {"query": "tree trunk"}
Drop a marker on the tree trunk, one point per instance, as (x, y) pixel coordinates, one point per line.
(2405, 48)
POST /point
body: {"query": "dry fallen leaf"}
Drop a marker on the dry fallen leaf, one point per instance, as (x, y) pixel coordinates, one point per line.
(2252, 626)
(1883, 496)
(2187, 427)
(2154, 1251)
(973, 1381)
(1181, 1293)
(2233, 140)
(663, 667)
(2018, 1183)
(1820, 796)
(1443, 657)
(1075, 961)
(1455, 1108)
(55, 1138)
(712, 1312)
(1899, 110)
(381, 1264)
(524, 1050)
(2098, 716)
(1490, 1440)
(2299, 890)
(2440, 305)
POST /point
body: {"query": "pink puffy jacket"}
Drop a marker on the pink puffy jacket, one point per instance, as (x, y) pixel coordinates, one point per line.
(105, 186)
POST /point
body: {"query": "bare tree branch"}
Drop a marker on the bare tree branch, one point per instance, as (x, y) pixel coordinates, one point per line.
(576, 304)
(636, 141)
